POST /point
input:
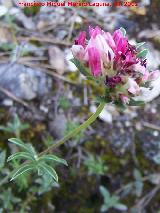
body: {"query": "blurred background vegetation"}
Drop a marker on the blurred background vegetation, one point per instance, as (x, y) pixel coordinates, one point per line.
(114, 164)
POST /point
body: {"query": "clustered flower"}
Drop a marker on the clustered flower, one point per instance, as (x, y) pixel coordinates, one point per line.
(122, 65)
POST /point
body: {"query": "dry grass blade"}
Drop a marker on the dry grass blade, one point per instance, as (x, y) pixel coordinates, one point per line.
(151, 126)
(45, 39)
(13, 97)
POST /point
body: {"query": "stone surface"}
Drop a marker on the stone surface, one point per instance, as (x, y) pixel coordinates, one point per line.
(24, 82)
(58, 126)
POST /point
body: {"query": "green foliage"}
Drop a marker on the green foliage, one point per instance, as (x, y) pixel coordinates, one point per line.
(142, 54)
(15, 127)
(48, 140)
(136, 103)
(123, 31)
(111, 201)
(8, 200)
(82, 69)
(2, 159)
(7, 47)
(138, 184)
(64, 103)
(22, 180)
(31, 11)
(95, 165)
(32, 162)
(45, 183)
(135, 187)
(103, 99)
(69, 127)
(138, 45)
(86, 72)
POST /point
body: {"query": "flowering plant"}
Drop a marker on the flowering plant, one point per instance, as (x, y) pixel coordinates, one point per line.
(117, 65)
(112, 62)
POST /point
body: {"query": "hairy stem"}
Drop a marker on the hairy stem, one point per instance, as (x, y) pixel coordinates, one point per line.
(75, 131)
(65, 138)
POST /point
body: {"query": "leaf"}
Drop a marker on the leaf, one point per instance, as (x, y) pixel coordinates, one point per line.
(114, 200)
(142, 54)
(123, 31)
(121, 207)
(22, 169)
(32, 151)
(104, 192)
(137, 175)
(138, 183)
(120, 105)
(20, 143)
(138, 45)
(53, 158)
(7, 129)
(6, 47)
(136, 103)
(127, 190)
(16, 121)
(104, 208)
(2, 159)
(82, 68)
(138, 188)
(24, 126)
(49, 170)
(102, 99)
(20, 155)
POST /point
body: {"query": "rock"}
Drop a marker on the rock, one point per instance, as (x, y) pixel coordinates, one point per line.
(78, 20)
(124, 22)
(27, 22)
(56, 59)
(105, 115)
(3, 10)
(121, 137)
(7, 3)
(153, 57)
(33, 49)
(61, 34)
(101, 11)
(145, 2)
(68, 57)
(148, 95)
(24, 82)
(43, 109)
(149, 142)
(7, 102)
(5, 36)
(58, 126)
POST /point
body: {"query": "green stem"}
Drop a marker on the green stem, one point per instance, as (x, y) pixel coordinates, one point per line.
(75, 131)
(65, 138)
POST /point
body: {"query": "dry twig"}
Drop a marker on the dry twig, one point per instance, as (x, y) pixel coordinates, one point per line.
(13, 97)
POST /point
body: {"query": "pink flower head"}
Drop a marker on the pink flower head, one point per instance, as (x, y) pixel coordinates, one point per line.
(133, 87)
(122, 66)
(120, 41)
(125, 100)
(78, 52)
(109, 40)
(94, 32)
(94, 61)
(81, 39)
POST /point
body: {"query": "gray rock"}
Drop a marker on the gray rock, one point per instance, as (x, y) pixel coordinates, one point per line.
(150, 143)
(56, 59)
(121, 137)
(24, 82)
(58, 126)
